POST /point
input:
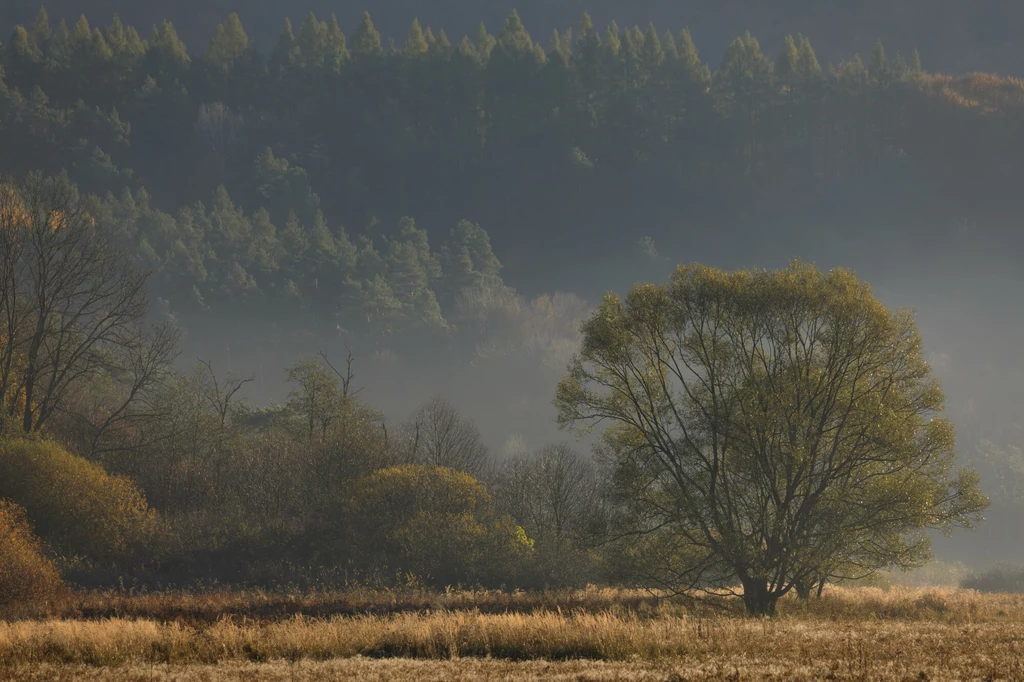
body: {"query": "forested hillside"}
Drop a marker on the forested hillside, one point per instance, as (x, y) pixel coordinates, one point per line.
(955, 37)
(247, 179)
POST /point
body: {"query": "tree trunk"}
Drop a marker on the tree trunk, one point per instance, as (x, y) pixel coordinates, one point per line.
(756, 597)
(821, 587)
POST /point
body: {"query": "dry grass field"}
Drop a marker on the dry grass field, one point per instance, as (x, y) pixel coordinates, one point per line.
(597, 634)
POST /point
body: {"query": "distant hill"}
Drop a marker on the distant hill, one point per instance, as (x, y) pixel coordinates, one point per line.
(953, 36)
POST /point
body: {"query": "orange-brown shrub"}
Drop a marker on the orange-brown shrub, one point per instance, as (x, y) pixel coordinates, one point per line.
(983, 92)
(25, 573)
(74, 504)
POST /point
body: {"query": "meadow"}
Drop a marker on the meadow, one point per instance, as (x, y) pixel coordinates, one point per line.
(596, 634)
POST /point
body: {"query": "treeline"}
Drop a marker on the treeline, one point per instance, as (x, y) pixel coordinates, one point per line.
(957, 38)
(194, 485)
(385, 284)
(316, 493)
(532, 140)
(128, 469)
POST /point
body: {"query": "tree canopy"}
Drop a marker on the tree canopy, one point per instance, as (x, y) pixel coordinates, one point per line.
(768, 428)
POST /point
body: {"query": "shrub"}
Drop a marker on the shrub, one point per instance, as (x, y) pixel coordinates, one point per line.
(25, 573)
(997, 579)
(74, 504)
(435, 523)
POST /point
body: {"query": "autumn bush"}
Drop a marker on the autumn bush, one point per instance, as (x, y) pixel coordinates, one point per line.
(26, 574)
(75, 505)
(437, 523)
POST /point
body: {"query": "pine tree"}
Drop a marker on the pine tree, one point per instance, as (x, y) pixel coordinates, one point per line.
(21, 46)
(693, 69)
(743, 85)
(441, 48)
(744, 66)
(809, 67)
(366, 40)
(99, 51)
(312, 42)
(60, 45)
(322, 246)
(165, 50)
(466, 49)
(588, 43)
(653, 52)
(514, 39)
(899, 66)
(914, 69)
(668, 44)
(116, 38)
(632, 43)
(540, 58)
(556, 49)
(286, 52)
(787, 66)
(38, 100)
(346, 253)
(40, 32)
(411, 271)
(229, 42)
(468, 262)
(611, 44)
(133, 42)
(294, 239)
(484, 44)
(853, 73)
(265, 250)
(878, 67)
(416, 46)
(567, 42)
(337, 48)
(81, 35)
(231, 231)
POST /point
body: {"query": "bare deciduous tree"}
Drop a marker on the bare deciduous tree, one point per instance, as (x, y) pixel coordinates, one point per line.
(556, 495)
(437, 435)
(71, 304)
(218, 126)
(141, 365)
(552, 491)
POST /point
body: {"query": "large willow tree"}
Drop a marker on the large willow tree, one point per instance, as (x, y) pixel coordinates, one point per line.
(767, 429)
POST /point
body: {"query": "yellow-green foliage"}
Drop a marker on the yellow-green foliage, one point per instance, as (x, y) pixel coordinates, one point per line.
(25, 574)
(434, 522)
(74, 504)
(777, 424)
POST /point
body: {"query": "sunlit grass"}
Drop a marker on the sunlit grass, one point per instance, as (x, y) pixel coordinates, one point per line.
(851, 633)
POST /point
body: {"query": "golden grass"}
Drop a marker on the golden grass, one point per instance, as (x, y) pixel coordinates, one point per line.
(206, 608)
(854, 633)
(258, 605)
